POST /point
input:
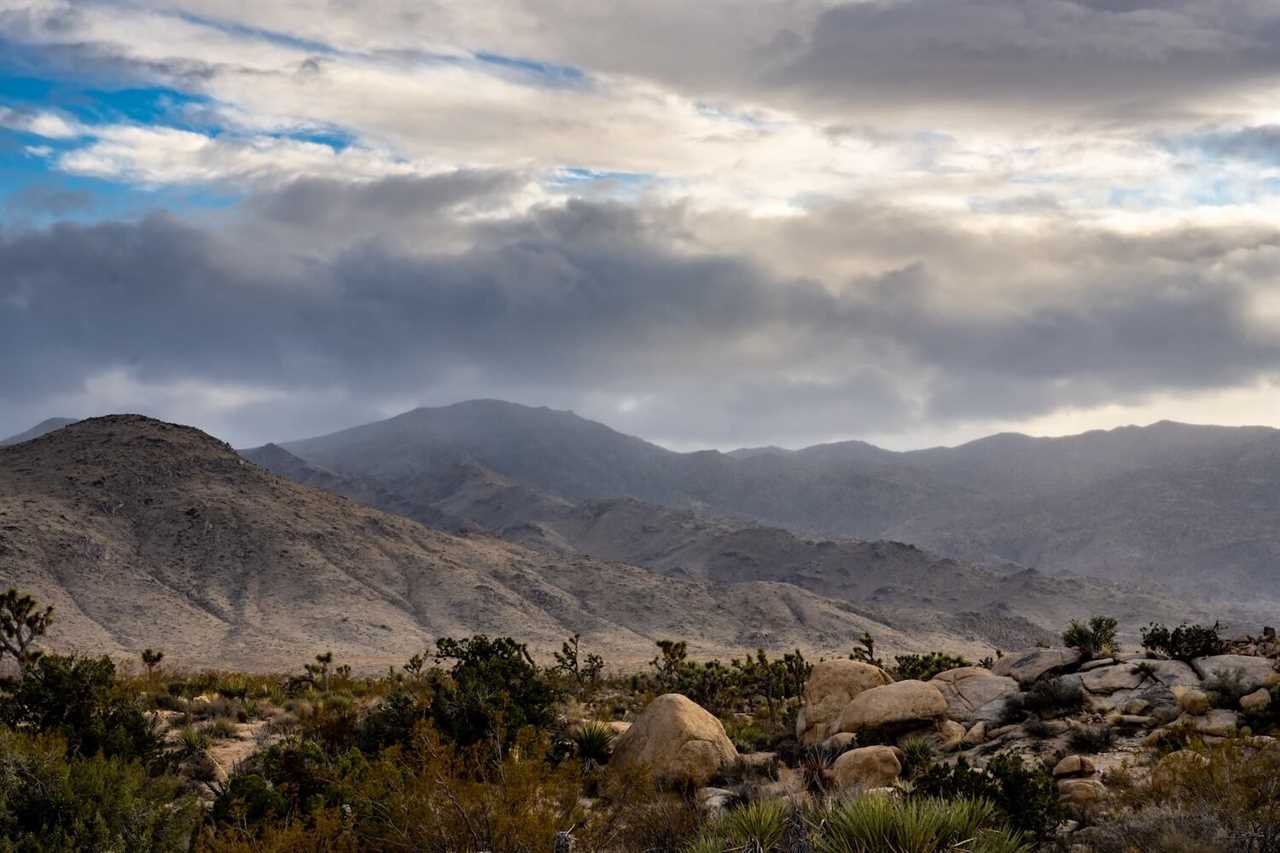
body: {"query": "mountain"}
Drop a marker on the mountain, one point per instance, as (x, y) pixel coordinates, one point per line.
(1192, 507)
(38, 430)
(143, 533)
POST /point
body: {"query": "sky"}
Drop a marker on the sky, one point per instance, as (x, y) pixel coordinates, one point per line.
(711, 224)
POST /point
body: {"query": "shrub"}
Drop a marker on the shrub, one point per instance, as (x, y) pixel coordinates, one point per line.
(917, 756)
(924, 667)
(1091, 739)
(916, 825)
(1185, 642)
(757, 826)
(1096, 639)
(493, 691)
(1053, 697)
(584, 669)
(53, 800)
(73, 696)
(392, 721)
(1226, 687)
(1026, 796)
(592, 742)
(221, 728)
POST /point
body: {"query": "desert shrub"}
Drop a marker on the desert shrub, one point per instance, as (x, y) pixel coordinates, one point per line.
(582, 669)
(924, 667)
(1052, 697)
(711, 684)
(746, 735)
(1097, 638)
(1234, 798)
(917, 756)
(780, 682)
(1089, 740)
(1185, 642)
(392, 721)
(74, 696)
(758, 826)
(915, 825)
(1025, 796)
(494, 690)
(54, 800)
(592, 742)
(221, 728)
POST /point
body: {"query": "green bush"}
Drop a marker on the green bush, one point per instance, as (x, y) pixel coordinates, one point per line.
(1096, 639)
(494, 690)
(74, 697)
(1091, 739)
(52, 800)
(1026, 796)
(924, 667)
(1184, 643)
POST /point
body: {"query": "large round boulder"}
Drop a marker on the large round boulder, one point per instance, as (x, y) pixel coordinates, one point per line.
(867, 767)
(832, 685)
(673, 741)
(893, 706)
(1252, 672)
(974, 693)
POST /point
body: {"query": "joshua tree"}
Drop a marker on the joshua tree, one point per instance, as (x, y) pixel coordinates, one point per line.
(22, 622)
(151, 659)
(319, 671)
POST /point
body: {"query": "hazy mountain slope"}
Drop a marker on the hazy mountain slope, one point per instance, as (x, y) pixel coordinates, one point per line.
(143, 533)
(1169, 503)
(45, 426)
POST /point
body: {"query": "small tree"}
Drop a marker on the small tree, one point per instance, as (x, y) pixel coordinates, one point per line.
(151, 659)
(319, 671)
(22, 622)
(1097, 639)
(584, 670)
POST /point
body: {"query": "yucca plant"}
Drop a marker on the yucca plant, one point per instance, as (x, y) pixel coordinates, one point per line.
(592, 742)
(757, 827)
(917, 755)
(877, 824)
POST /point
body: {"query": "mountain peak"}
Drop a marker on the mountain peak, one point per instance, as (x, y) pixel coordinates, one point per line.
(46, 426)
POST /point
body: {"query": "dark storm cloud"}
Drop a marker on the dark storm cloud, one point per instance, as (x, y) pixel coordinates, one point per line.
(1112, 58)
(594, 301)
(49, 199)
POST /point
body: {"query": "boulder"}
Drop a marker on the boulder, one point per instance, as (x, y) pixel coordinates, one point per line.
(1256, 672)
(1192, 700)
(832, 685)
(715, 801)
(1217, 723)
(974, 693)
(673, 741)
(839, 742)
(1027, 666)
(618, 727)
(1096, 663)
(1170, 673)
(1256, 702)
(977, 734)
(1081, 792)
(1109, 679)
(1074, 765)
(898, 705)
(944, 736)
(867, 767)
(1176, 765)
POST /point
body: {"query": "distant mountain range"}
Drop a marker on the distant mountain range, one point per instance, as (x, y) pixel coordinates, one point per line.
(1194, 508)
(45, 426)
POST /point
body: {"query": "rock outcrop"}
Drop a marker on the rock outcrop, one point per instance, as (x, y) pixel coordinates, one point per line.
(832, 685)
(903, 704)
(974, 694)
(674, 740)
(868, 767)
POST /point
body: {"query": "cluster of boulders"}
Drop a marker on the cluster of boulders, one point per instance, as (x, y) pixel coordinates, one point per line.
(977, 712)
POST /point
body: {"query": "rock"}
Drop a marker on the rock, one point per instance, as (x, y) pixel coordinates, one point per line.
(1192, 700)
(832, 685)
(1081, 792)
(618, 727)
(1109, 679)
(1027, 666)
(1176, 765)
(1133, 721)
(945, 736)
(839, 742)
(673, 741)
(893, 705)
(976, 735)
(1096, 664)
(1074, 765)
(1256, 702)
(1217, 723)
(973, 693)
(714, 801)
(1168, 672)
(867, 767)
(1256, 672)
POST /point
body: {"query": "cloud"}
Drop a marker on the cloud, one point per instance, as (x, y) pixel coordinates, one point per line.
(615, 310)
(49, 199)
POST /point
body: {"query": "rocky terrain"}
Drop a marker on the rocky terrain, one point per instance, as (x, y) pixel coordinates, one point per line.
(1189, 507)
(143, 533)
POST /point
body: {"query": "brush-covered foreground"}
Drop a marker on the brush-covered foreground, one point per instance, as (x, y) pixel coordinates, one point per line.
(477, 747)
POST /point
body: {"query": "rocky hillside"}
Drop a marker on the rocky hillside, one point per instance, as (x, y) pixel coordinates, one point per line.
(143, 533)
(1187, 506)
(45, 426)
